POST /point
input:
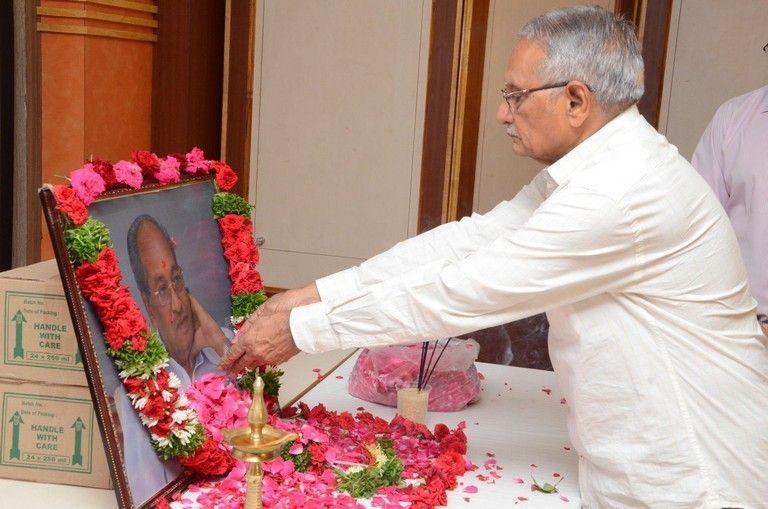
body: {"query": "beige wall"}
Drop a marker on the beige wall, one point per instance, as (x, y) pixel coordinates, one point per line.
(499, 172)
(714, 54)
(339, 94)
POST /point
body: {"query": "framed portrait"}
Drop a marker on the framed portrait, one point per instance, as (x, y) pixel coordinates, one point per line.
(169, 249)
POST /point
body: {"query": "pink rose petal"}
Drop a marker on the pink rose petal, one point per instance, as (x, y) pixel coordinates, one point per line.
(470, 489)
(564, 498)
(547, 390)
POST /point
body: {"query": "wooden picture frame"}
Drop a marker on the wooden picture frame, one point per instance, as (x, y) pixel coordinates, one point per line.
(100, 373)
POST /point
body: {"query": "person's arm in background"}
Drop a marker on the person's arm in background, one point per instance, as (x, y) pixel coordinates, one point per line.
(708, 157)
(450, 242)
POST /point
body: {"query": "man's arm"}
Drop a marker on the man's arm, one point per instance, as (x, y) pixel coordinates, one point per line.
(708, 157)
(450, 241)
(574, 247)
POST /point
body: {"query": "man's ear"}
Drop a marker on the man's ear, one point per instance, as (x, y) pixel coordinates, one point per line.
(580, 102)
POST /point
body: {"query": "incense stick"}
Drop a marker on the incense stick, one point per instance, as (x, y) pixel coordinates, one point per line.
(429, 375)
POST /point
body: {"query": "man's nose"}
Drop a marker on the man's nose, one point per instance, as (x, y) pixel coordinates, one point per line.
(504, 113)
(175, 300)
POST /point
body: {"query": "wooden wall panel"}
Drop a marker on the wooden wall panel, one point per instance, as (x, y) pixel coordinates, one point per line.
(96, 85)
(187, 77)
(238, 96)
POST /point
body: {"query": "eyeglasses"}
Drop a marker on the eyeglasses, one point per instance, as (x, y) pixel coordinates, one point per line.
(177, 286)
(514, 98)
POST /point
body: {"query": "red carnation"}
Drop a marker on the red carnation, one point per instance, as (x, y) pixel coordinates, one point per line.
(68, 203)
(103, 274)
(452, 463)
(148, 162)
(317, 453)
(208, 459)
(245, 279)
(454, 443)
(226, 178)
(231, 224)
(134, 385)
(441, 431)
(429, 495)
(242, 252)
(106, 171)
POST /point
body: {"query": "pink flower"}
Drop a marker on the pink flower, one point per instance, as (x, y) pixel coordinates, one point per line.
(169, 171)
(87, 183)
(128, 173)
(196, 162)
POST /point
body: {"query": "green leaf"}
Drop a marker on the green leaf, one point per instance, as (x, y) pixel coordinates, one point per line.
(271, 378)
(365, 483)
(300, 461)
(243, 304)
(86, 241)
(140, 363)
(229, 203)
(546, 487)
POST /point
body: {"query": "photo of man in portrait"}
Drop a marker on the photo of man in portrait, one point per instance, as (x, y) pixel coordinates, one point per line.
(194, 340)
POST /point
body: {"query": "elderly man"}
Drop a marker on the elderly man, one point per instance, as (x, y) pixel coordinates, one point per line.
(194, 340)
(624, 246)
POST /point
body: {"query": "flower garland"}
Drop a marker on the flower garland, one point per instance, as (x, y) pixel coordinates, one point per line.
(338, 458)
(138, 352)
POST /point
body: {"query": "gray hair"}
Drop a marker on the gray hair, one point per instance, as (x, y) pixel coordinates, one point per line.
(592, 45)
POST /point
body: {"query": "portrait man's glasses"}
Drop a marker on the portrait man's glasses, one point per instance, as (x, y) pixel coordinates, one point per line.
(515, 97)
(163, 293)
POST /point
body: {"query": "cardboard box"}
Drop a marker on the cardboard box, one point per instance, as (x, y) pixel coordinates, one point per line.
(49, 433)
(38, 340)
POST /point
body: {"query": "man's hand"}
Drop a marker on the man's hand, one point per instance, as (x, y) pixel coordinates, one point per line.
(267, 341)
(207, 331)
(765, 328)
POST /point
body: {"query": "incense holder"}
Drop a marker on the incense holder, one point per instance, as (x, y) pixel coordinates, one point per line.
(412, 404)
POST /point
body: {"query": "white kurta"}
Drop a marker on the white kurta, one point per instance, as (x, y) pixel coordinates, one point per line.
(657, 347)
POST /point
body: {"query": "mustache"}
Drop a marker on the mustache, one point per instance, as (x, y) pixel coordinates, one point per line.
(511, 131)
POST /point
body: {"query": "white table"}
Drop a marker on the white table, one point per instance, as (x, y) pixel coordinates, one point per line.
(514, 419)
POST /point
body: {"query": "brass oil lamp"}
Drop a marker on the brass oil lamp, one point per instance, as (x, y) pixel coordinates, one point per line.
(256, 443)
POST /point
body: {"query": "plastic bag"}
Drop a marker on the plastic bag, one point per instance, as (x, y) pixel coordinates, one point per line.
(380, 372)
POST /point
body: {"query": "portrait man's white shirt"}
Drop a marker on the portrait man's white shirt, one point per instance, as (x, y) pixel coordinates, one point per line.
(655, 341)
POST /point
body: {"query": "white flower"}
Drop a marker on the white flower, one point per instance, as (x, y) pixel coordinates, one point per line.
(161, 441)
(166, 396)
(140, 403)
(150, 423)
(173, 381)
(180, 416)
